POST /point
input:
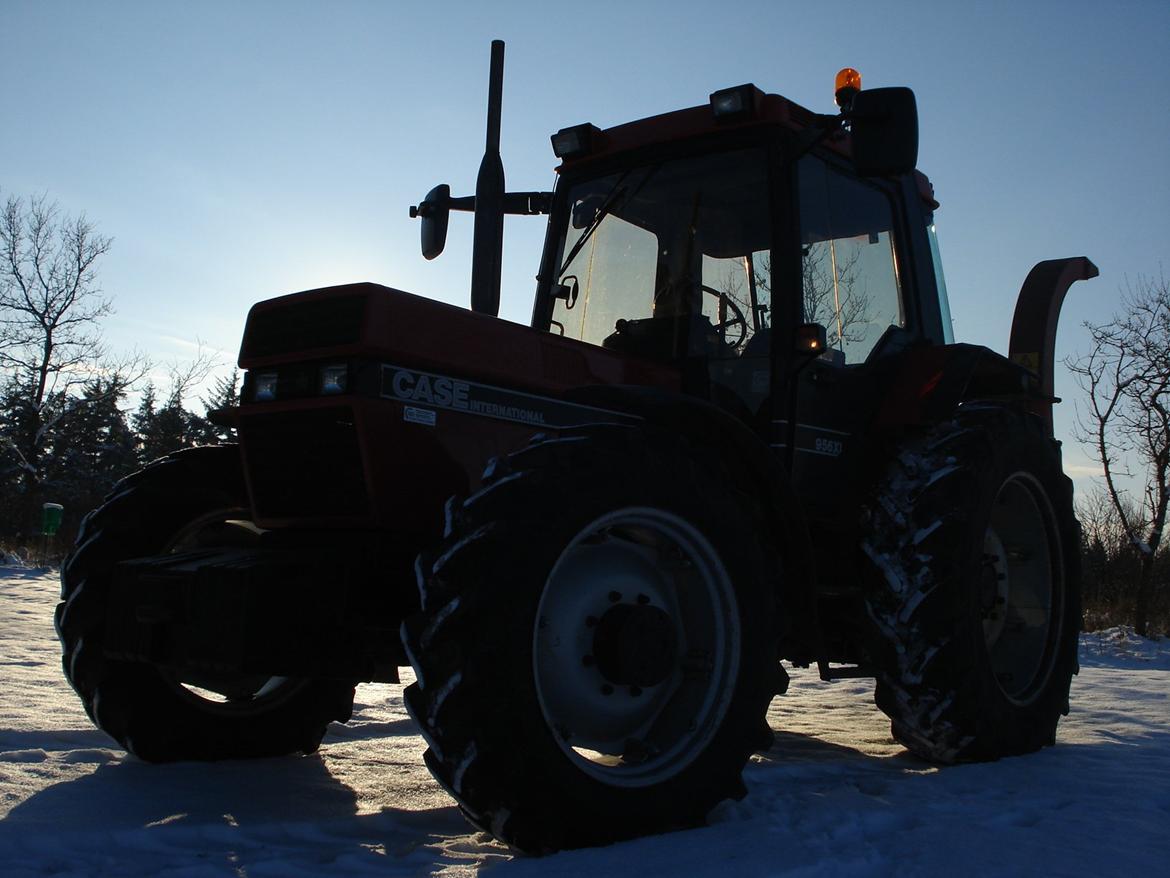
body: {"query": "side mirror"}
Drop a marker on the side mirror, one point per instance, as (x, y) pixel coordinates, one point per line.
(568, 290)
(884, 131)
(434, 211)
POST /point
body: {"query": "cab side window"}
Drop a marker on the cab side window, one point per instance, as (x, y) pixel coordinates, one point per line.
(849, 263)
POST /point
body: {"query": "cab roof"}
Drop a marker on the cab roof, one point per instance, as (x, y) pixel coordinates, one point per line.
(700, 121)
(692, 122)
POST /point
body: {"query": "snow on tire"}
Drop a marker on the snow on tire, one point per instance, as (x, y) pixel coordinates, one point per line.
(977, 598)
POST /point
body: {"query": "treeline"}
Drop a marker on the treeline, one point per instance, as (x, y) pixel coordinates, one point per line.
(75, 446)
(74, 416)
(1111, 568)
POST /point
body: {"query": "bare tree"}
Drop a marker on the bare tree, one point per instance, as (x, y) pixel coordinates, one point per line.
(1110, 568)
(49, 298)
(50, 308)
(833, 288)
(186, 376)
(834, 292)
(1100, 523)
(1126, 376)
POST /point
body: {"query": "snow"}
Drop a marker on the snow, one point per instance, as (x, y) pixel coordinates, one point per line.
(835, 796)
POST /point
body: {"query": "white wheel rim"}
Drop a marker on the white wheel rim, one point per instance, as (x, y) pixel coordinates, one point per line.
(643, 708)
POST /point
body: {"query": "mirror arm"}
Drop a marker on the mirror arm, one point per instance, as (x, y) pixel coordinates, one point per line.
(424, 208)
(527, 203)
(518, 203)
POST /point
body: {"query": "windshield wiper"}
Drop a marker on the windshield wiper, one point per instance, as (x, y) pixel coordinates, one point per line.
(606, 206)
(611, 201)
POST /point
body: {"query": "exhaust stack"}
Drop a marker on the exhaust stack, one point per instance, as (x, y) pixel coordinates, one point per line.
(488, 241)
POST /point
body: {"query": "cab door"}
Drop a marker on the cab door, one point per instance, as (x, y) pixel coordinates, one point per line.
(853, 278)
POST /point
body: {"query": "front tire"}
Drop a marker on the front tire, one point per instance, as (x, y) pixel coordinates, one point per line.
(594, 648)
(977, 603)
(191, 499)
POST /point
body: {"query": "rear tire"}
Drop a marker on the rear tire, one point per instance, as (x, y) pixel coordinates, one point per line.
(977, 606)
(191, 498)
(575, 689)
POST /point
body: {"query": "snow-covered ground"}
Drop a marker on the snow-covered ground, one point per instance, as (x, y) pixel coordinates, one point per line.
(834, 796)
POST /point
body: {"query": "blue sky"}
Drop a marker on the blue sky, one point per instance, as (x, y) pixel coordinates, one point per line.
(237, 151)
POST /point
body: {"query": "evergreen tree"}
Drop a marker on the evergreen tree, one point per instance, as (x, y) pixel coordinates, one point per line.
(142, 422)
(24, 436)
(162, 430)
(88, 451)
(14, 427)
(225, 393)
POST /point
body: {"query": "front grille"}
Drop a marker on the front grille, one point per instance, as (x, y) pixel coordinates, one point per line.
(302, 326)
(305, 464)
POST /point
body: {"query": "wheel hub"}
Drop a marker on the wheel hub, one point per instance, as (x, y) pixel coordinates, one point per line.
(635, 645)
(995, 588)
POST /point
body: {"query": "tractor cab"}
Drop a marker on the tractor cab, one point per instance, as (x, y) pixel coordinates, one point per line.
(756, 247)
(738, 242)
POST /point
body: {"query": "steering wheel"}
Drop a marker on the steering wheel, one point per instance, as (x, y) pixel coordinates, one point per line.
(735, 320)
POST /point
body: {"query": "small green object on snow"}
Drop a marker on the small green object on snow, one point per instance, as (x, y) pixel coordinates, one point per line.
(51, 514)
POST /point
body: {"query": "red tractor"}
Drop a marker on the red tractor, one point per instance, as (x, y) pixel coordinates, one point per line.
(738, 431)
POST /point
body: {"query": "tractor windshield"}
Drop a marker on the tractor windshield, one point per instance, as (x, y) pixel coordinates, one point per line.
(670, 259)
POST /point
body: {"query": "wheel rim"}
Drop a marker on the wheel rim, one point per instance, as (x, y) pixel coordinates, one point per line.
(636, 647)
(236, 694)
(1022, 588)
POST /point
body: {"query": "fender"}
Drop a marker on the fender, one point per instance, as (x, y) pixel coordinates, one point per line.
(1033, 339)
(924, 385)
(754, 464)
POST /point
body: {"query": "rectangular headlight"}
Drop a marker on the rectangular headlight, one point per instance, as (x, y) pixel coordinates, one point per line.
(334, 378)
(264, 386)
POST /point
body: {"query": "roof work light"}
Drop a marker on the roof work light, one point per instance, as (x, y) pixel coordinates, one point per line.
(571, 143)
(732, 104)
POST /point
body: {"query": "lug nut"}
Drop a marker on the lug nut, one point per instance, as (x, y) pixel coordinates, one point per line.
(643, 600)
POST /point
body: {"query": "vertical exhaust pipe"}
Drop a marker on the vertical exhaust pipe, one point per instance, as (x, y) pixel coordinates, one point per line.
(488, 241)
